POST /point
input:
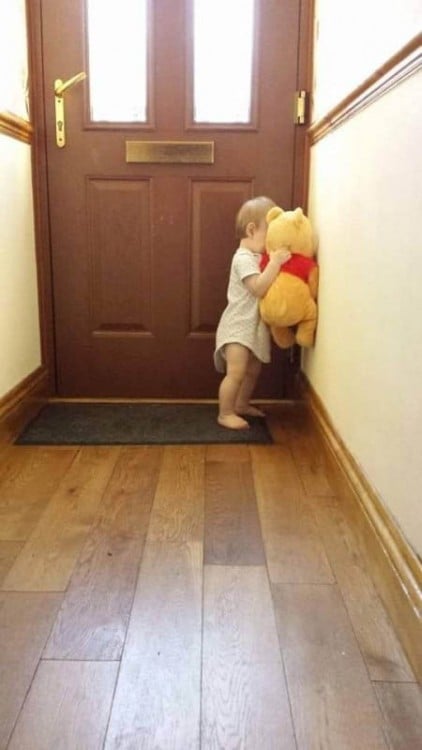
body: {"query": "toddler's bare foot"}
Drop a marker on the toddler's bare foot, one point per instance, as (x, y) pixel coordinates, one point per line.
(233, 422)
(249, 411)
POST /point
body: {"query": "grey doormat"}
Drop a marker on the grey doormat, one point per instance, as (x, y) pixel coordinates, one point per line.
(135, 424)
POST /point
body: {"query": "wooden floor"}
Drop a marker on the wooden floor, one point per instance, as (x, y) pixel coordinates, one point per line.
(191, 597)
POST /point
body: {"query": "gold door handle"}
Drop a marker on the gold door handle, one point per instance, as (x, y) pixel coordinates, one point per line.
(59, 88)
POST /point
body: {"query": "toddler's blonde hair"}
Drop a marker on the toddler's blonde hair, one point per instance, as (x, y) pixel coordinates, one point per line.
(254, 210)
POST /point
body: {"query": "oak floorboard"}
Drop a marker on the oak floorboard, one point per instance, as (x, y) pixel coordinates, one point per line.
(307, 453)
(8, 554)
(244, 695)
(294, 551)
(29, 480)
(157, 701)
(232, 528)
(25, 623)
(229, 453)
(93, 619)
(401, 706)
(379, 644)
(276, 428)
(178, 510)
(67, 707)
(47, 560)
(92, 528)
(332, 697)
(12, 460)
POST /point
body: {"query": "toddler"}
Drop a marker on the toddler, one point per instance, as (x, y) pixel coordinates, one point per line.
(242, 338)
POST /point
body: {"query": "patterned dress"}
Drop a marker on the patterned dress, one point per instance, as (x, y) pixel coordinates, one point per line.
(240, 322)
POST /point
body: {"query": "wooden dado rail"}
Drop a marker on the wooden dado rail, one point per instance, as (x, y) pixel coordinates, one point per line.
(401, 65)
(16, 127)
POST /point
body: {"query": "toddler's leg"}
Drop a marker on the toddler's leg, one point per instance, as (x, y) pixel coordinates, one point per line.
(237, 357)
(242, 405)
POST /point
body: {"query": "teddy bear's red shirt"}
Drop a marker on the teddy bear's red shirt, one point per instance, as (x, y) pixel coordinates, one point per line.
(298, 265)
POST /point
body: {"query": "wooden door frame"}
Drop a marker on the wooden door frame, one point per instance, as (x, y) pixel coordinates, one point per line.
(304, 82)
(40, 194)
(40, 178)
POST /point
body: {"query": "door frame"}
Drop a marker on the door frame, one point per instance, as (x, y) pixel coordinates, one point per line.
(40, 179)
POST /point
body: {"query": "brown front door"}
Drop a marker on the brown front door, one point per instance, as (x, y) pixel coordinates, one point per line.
(141, 251)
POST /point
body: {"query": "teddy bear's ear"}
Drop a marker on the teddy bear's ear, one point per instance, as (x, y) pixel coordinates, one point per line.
(298, 217)
(273, 213)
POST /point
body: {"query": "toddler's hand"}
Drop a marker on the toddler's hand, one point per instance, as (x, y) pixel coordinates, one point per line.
(282, 255)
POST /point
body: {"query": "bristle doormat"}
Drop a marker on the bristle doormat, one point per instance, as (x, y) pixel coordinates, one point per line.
(135, 424)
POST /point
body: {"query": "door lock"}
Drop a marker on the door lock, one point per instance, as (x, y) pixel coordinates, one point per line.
(59, 88)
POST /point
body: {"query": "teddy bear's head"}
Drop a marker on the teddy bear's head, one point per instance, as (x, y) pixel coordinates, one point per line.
(291, 229)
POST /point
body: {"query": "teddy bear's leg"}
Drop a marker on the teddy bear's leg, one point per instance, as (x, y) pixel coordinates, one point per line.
(306, 329)
(283, 337)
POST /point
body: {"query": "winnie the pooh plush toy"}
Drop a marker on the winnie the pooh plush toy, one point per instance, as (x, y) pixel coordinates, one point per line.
(289, 306)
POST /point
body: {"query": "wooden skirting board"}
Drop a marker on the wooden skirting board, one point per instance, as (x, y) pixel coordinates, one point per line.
(22, 403)
(395, 568)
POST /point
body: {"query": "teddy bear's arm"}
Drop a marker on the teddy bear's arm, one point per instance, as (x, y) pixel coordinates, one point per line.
(313, 282)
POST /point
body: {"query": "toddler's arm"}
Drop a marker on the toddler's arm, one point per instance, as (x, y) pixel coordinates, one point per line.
(259, 283)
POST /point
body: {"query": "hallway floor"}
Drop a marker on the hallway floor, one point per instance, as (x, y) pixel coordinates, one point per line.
(188, 597)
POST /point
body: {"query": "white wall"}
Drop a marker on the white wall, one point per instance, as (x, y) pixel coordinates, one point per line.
(366, 203)
(19, 318)
(14, 68)
(353, 39)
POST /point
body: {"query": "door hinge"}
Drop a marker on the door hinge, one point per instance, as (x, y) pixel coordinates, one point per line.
(301, 98)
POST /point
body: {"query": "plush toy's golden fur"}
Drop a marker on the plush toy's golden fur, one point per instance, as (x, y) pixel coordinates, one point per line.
(289, 306)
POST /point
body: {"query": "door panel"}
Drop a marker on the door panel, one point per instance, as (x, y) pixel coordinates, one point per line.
(141, 252)
(118, 215)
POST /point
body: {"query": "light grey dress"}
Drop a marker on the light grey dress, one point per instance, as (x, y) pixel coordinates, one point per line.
(241, 322)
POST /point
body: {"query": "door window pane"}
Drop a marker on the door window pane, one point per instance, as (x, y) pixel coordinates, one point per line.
(117, 44)
(223, 60)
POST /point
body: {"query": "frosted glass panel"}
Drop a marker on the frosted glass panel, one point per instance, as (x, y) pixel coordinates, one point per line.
(223, 58)
(117, 42)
